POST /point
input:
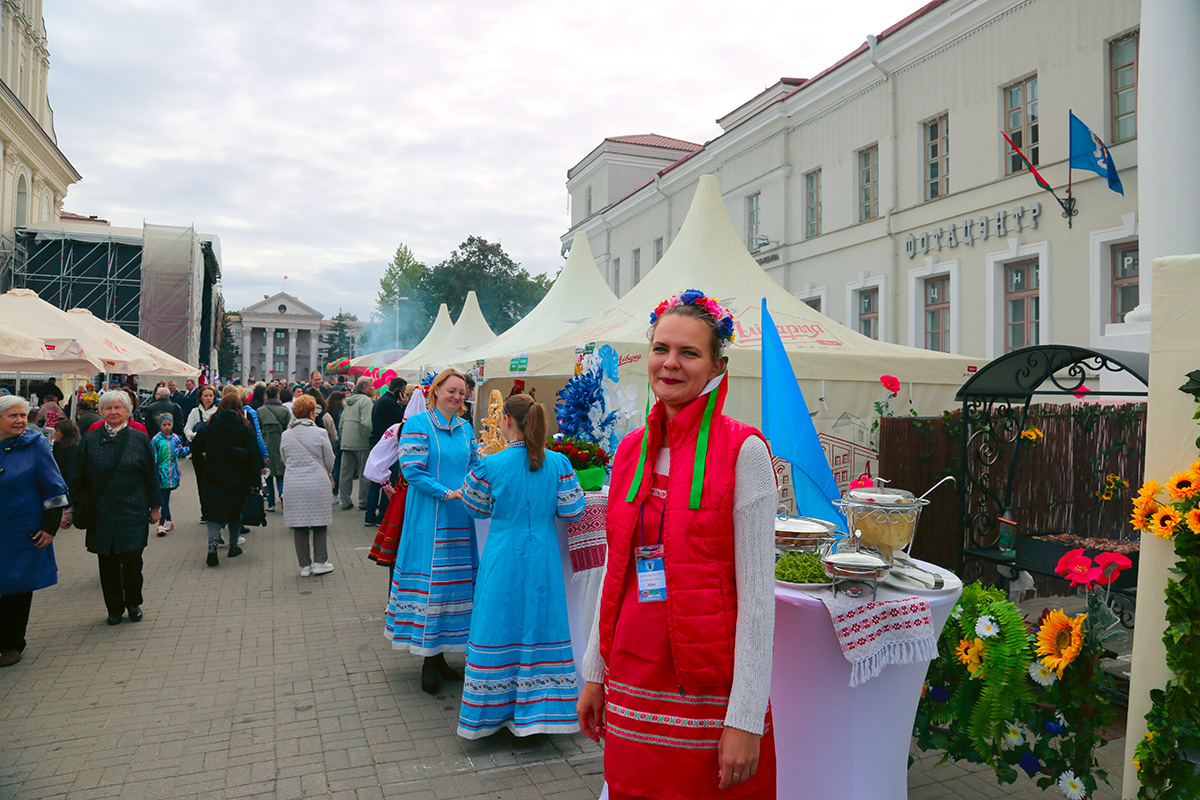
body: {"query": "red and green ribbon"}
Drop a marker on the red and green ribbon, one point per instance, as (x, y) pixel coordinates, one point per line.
(701, 455)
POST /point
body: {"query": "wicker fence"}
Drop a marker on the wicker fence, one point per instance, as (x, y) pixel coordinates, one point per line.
(1055, 484)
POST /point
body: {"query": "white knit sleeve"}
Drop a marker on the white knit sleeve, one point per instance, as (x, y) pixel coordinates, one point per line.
(593, 662)
(754, 504)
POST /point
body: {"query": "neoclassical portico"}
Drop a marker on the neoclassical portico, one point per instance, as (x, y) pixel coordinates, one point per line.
(279, 339)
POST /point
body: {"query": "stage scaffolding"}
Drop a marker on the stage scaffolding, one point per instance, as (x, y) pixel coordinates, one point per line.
(99, 272)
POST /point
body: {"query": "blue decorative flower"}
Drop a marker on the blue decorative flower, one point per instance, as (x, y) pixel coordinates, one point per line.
(577, 401)
(939, 694)
(1030, 763)
(1054, 727)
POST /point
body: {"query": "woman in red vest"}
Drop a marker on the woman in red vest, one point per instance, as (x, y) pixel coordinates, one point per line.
(678, 667)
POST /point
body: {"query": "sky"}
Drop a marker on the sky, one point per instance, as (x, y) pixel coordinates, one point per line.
(313, 138)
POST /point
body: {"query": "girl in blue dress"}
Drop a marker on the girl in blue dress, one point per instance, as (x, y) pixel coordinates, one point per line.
(429, 610)
(520, 672)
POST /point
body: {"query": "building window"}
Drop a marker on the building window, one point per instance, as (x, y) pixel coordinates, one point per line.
(937, 313)
(753, 214)
(868, 183)
(1021, 122)
(812, 204)
(616, 277)
(1021, 310)
(658, 249)
(635, 265)
(814, 303)
(280, 334)
(1124, 280)
(238, 349)
(237, 366)
(937, 157)
(587, 201)
(281, 349)
(868, 313)
(280, 366)
(1124, 58)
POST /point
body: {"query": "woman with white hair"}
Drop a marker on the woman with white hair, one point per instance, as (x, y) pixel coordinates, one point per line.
(115, 497)
(32, 498)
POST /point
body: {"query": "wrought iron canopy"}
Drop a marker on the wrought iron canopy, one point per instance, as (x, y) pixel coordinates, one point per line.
(1020, 374)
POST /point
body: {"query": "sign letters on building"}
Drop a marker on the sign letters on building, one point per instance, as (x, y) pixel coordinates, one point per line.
(972, 229)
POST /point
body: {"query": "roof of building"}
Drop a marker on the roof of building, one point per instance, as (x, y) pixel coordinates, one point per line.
(82, 218)
(654, 140)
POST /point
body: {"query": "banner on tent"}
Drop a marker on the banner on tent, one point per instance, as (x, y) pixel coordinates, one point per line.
(518, 365)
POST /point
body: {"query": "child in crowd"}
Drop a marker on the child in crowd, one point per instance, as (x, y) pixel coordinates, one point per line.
(168, 447)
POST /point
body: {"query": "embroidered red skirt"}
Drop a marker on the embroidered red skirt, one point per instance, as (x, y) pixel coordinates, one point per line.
(662, 743)
(387, 539)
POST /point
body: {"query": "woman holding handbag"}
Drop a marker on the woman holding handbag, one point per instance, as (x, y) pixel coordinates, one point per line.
(307, 458)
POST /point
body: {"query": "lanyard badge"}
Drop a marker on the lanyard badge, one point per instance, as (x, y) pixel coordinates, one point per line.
(651, 566)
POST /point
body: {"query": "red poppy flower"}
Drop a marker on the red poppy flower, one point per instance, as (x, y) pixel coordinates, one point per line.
(1081, 571)
(1063, 566)
(1108, 573)
(891, 383)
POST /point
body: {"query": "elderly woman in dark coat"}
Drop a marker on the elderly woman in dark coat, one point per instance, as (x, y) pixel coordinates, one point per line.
(233, 464)
(115, 498)
(32, 498)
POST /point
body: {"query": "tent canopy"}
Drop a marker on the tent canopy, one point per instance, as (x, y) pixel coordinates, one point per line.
(578, 294)
(470, 331)
(160, 363)
(72, 349)
(438, 333)
(20, 346)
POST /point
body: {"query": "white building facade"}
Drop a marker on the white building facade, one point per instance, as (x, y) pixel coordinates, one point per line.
(34, 174)
(882, 193)
(279, 337)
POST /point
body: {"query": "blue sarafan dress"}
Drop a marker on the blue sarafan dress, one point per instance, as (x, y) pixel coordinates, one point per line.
(429, 609)
(520, 672)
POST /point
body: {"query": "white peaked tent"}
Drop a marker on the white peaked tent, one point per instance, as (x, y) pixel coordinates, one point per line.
(159, 363)
(73, 349)
(17, 346)
(441, 329)
(470, 331)
(578, 294)
(380, 359)
(838, 368)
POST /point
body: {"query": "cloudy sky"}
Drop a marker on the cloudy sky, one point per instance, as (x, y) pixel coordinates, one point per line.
(313, 138)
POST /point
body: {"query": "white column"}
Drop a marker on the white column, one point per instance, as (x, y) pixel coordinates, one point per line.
(247, 353)
(314, 356)
(292, 354)
(1168, 115)
(269, 333)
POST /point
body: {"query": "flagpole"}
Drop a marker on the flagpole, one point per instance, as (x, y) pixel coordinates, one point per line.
(1069, 208)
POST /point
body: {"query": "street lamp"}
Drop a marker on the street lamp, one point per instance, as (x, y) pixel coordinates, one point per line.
(398, 299)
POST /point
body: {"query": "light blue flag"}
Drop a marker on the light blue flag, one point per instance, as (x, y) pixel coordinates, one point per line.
(789, 428)
(1088, 152)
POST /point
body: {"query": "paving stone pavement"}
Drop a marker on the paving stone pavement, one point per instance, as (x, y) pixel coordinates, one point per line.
(248, 681)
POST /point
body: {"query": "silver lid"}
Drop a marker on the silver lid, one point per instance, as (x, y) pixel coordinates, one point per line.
(882, 496)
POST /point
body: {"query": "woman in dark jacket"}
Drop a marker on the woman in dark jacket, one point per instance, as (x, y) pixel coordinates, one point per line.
(66, 445)
(233, 466)
(273, 418)
(115, 476)
(32, 498)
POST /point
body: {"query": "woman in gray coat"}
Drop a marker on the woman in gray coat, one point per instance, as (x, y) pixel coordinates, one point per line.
(308, 459)
(116, 480)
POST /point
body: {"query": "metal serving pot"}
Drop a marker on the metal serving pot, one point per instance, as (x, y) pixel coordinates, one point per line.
(804, 534)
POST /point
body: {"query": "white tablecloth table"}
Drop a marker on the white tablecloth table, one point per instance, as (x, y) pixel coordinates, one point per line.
(832, 741)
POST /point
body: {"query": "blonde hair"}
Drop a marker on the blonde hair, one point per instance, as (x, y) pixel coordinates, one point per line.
(442, 377)
(304, 407)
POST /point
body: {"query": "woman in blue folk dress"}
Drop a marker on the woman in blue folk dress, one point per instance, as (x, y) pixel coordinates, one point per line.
(520, 672)
(429, 610)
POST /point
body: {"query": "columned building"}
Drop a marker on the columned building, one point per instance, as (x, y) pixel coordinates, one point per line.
(278, 337)
(881, 192)
(34, 174)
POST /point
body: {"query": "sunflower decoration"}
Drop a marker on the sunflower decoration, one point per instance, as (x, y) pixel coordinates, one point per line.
(1192, 518)
(1112, 485)
(1164, 520)
(1183, 485)
(970, 654)
(1143, 516)
(1059, 640)
(1032, 433)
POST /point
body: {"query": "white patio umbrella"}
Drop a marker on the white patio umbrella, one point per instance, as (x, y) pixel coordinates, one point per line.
(161, 363)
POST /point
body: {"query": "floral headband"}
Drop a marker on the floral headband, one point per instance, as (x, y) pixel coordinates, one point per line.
(695, 297)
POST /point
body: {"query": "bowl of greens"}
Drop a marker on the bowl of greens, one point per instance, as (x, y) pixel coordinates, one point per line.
(798, 568)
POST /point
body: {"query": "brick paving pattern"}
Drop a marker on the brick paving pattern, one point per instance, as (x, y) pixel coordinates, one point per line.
(248, 681)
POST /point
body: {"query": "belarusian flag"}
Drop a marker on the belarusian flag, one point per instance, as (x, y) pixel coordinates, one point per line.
(1037, 175)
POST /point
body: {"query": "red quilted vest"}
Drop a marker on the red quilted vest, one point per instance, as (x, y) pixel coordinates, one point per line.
(701, 590)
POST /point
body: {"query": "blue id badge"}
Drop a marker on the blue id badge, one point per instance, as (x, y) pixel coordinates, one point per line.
(651, 574)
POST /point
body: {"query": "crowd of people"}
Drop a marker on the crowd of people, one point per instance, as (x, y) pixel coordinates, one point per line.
(677, 669)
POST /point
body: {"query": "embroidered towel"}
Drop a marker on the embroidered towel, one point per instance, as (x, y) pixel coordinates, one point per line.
(881, 632)
(586, 540)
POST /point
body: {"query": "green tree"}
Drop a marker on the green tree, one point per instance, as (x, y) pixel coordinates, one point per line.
(506, 291)
(409, 320)
(226, 347)
(339, 341)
